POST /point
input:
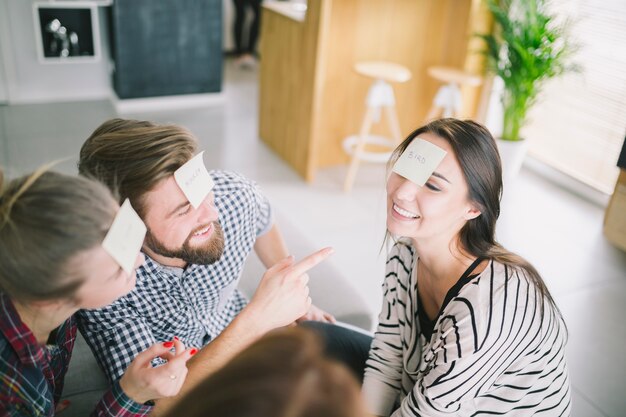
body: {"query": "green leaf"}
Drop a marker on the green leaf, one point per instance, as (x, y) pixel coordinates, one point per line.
(527, 48)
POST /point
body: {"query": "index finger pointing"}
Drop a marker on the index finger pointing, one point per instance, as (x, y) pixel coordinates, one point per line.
(310, 261)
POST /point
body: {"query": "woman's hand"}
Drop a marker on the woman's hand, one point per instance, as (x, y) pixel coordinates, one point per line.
(141, 382)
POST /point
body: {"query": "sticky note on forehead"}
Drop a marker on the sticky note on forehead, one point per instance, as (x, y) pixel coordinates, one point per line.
(194, 180)
(125, 237)
(418, 161)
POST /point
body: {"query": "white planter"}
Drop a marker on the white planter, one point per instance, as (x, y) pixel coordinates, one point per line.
(512, 155)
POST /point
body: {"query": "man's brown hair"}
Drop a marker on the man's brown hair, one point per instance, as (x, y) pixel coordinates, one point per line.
(132, 156)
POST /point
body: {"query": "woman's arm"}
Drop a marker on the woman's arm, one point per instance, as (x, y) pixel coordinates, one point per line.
(116, 403)
(141, 382)
(383, 371)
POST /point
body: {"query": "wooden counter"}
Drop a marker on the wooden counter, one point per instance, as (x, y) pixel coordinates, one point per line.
(310, 96)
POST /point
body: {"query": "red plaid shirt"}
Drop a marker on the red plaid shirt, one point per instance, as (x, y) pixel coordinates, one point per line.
(32, 375)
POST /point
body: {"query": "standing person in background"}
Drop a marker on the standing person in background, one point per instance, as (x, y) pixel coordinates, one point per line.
(53, 262)
(284, 374)
(246, 52)
(467, 328)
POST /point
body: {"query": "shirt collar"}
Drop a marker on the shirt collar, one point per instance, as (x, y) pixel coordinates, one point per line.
(153, 267)
(17, 333)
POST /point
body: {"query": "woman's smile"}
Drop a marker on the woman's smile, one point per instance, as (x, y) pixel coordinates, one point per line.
(403, 214)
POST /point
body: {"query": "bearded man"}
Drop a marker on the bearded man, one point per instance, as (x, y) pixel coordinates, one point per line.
(202, 225)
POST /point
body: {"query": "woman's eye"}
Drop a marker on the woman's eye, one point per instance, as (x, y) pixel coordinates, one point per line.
(432, 187)
(183, 212)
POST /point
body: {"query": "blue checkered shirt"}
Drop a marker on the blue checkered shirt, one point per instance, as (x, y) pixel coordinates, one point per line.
(196, 303)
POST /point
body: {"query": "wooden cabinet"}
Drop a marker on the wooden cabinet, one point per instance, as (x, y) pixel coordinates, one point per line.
(166, 47)
(310, 96)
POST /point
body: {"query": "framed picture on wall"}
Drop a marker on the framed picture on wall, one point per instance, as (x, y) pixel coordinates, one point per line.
(67, 31)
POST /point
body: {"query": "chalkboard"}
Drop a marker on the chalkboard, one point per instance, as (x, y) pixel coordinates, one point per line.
(166, 47)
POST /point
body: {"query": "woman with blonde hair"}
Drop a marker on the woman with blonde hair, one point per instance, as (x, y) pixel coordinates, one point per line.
(52, 263)
(467, 328)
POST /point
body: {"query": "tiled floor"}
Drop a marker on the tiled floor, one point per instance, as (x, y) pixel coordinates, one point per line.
(559, 232)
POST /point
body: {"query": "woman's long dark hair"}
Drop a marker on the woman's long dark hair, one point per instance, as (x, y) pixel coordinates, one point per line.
(477, 153)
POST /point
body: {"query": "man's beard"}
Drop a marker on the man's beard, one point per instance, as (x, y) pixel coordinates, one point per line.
(205, 254)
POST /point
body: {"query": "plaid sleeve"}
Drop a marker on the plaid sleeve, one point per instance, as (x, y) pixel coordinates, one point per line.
(265, 218)
(20, 396)
(116, 336)
(116, 403)
(243, 199)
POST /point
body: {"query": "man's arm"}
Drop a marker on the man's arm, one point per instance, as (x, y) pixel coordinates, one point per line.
(270, 247)
(241, 332)
(282, 296)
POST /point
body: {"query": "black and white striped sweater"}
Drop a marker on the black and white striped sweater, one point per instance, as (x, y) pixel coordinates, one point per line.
(490, 353)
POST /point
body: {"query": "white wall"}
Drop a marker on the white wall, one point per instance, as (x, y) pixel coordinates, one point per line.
(30, 81)
(4, 92)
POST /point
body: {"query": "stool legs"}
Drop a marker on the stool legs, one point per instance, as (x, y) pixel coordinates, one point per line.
(447, 101)
(433, 113)
(394, 124)
(380, 97)
(354, 162)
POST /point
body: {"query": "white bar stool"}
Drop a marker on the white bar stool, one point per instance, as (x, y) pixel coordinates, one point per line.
(380, 96)
(448, 100)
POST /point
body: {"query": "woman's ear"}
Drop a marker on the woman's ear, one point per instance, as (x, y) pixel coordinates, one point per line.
(472, 212)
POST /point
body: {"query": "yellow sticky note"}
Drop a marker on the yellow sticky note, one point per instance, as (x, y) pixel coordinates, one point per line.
(125, 237)
(194, 180)
(418, 161)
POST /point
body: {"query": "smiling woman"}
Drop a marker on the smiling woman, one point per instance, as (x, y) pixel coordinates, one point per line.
(439, 208)
(466, 327)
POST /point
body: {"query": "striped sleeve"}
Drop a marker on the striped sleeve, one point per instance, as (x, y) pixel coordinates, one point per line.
(383, 371)
(490, 356)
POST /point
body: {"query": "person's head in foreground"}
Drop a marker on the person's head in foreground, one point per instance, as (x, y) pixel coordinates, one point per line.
(137, 160)
(53, 262)
(281, 375)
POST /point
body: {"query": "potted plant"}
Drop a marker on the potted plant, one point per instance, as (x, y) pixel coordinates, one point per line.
(527, 48)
